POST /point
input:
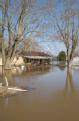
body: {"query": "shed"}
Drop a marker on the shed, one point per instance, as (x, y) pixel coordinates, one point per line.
(36, 58)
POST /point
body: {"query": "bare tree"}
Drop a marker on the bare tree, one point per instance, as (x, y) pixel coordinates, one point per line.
(14, 23)
(65, 23)
(68, 29)
(32, 45)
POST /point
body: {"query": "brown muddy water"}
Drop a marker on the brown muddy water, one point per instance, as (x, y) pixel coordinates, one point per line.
(53, 96)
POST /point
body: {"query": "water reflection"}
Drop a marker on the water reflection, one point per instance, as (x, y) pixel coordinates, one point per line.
(69, 92)
(43, 73)
(69, 87)
(54, 98)
(19, 70)
(48, 72)
(62, 67)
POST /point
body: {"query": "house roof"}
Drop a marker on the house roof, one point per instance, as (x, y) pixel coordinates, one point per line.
(35, 55)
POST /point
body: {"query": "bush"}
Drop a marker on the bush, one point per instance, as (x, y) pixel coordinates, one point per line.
(62, 56)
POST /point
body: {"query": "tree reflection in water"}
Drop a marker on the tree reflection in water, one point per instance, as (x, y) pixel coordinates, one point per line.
(69, 89)
(69, 93)
(11, 74)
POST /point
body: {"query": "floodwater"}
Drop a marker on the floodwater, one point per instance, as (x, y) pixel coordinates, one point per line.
(53, 95)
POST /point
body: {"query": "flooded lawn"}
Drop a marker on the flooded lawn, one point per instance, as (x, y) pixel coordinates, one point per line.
(53, 96)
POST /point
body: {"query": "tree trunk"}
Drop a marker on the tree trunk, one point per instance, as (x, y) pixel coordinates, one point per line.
(68, 58)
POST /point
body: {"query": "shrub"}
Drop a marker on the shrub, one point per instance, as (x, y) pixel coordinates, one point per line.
(62, 56)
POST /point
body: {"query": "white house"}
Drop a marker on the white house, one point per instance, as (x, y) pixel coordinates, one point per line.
(0, 61)
(75, 63)
(18, 61)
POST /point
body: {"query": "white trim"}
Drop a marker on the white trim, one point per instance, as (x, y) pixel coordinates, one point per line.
(37, 57)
